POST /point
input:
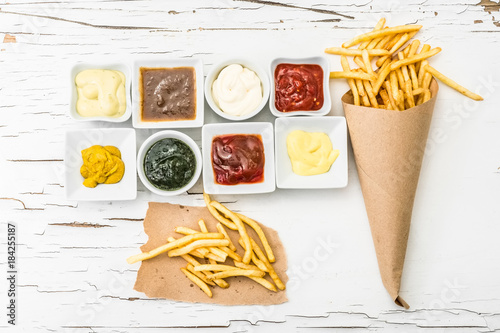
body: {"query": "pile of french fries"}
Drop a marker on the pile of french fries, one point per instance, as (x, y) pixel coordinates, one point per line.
(214, 248)
(403, 75)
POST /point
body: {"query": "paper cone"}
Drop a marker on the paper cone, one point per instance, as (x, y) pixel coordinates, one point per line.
(388, 147)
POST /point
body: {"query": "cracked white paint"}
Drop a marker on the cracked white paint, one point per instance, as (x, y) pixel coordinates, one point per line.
(75, 279)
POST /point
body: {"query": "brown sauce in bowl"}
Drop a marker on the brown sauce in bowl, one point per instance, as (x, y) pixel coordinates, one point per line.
(167, 94)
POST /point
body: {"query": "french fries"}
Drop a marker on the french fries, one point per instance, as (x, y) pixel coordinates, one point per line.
(216, 247)
(402, 79)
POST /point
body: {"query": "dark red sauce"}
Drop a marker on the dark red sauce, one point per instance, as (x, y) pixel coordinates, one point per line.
(298, 87)
(238, 159)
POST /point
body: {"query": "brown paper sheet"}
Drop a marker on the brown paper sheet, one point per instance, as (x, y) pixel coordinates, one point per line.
(161, 277)
(388, 148)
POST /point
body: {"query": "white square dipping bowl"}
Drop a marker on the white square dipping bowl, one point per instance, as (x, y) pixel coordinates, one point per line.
(265, 130)
(81, 66)
(335, 128)
(327, 102)
(155, 62)
(76, 141)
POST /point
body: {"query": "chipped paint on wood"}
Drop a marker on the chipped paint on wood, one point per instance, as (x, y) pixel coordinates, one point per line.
(9, 39)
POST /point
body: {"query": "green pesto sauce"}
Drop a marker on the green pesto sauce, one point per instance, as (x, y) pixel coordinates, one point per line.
(169, 164)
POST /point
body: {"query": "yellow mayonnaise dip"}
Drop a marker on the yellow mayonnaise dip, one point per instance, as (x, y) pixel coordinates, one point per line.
(101, 92)
(310, 153)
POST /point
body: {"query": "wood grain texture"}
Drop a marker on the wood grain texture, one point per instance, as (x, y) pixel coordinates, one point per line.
(73, 275)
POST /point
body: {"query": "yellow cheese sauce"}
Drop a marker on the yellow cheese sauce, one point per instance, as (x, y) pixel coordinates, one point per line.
(101, 92)
(310, 153)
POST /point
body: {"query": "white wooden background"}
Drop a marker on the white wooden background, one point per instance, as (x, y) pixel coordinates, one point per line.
(72, 271)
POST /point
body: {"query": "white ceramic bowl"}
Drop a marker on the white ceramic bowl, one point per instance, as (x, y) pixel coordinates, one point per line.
(76, 141)
(327, 103)
(164, 135)
(214, 73)
(80, 66)
(266, 132)
(335, 128)
(155, 62)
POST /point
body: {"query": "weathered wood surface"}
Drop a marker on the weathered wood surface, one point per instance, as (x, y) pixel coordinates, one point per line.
(73, 275)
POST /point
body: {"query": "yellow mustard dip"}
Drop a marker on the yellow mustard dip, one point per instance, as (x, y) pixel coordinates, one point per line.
(310, 153)
(102, 165)
(101, 92)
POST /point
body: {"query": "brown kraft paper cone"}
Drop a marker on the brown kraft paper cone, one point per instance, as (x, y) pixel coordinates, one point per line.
(388, 148)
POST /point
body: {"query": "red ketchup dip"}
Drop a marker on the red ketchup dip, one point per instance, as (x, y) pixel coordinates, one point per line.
(298, 87)
(238, 159)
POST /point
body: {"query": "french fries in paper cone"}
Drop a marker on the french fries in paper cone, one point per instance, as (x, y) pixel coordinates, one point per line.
(388, 148)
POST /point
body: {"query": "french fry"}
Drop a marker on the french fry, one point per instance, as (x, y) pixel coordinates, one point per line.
(197, 244)
(214, 257)
(356, 52)
(241, 265)
(197, 254)
(203, 286)
(178, 243)
(272, 272)
(264, 283)
(371, 45)
(369, 92)
(360, 63)
(381, 78)
(352, 75)
(220, 282)
(441, 77)
(235, 272)
(409, 94)
(259, 263)
(393, 40)
(216, 214)
(417, 91)
(366, 61)
(382, 32)
(385, 97)
(231, 254)
(383, 42)
(217, 268)
(218, 252)
(388, 88)
(241, 229)
(258, 230)
(223, 231)
(421, 73)
(361, 91)
(352, 84)
(255, 260)
(415, 58)
(185, 230)
(425, 48)
(395, 88)
(203, 226)
(411, 67)
(200, 253)
(427, 95)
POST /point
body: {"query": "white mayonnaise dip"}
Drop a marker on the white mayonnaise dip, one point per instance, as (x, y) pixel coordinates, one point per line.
(237, 90)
